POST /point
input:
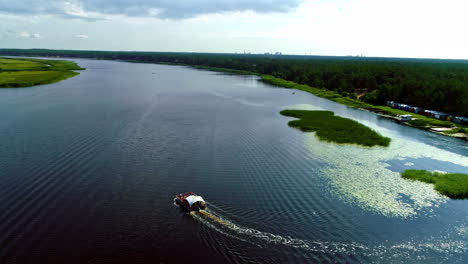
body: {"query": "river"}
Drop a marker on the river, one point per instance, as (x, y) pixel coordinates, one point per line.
(89, 168)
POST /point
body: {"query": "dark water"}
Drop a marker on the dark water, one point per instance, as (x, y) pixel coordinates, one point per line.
(89, 167)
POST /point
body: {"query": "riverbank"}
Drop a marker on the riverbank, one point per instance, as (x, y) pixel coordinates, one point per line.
(420, 121)
(453, 185)
(22, 72)
(253, 68)
(332, 128)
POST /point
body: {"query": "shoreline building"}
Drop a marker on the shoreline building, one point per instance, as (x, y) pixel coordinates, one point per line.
(430, 113)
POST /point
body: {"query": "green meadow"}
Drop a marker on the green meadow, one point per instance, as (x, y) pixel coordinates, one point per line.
(19, 72)
(332, 128)
(453, 185)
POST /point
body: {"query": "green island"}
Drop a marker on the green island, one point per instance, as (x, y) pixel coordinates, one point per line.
(332, 128)
(22, 72)
(453, 185)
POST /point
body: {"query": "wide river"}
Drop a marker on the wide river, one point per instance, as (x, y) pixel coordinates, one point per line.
(89, 168)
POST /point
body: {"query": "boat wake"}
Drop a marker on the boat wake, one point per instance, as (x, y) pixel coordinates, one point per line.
(389, 250)
(262, 239)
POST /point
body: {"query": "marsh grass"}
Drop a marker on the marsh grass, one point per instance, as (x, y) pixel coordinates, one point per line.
(31, 78)
(419, 123)
(453, 185)
(334, 96)
(331, 128)
(456, 130)
(21, 72)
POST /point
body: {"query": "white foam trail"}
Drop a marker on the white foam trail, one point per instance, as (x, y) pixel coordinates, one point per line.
(245, 234)
(199, 218)
(405, 249)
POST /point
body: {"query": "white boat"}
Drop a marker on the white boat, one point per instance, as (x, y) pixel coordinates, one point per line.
(190, 201)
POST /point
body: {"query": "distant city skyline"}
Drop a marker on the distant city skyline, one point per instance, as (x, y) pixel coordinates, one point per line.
(377, 28)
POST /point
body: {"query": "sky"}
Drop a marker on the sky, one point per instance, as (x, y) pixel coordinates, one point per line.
(384, 28)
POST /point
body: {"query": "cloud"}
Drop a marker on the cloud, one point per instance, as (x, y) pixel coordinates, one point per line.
(81, 36)
(175, 9)
(24, 34)
(28, 35)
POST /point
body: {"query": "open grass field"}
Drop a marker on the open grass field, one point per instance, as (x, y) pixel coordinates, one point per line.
(31, 78)
(19, 65)
(453, 185)
(19, 72)
(329, 127)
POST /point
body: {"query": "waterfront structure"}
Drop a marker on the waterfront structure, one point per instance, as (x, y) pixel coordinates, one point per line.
(430, 113)
(406, 117)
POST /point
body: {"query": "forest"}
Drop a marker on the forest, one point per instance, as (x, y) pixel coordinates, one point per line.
(436, 84)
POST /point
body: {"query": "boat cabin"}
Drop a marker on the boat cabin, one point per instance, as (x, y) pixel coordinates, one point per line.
(190, 201)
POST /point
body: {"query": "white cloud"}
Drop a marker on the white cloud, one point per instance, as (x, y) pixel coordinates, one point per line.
(81, 36)
(25, 34)
(37, 36)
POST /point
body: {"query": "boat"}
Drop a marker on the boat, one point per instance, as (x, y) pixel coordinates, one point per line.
(190, 201)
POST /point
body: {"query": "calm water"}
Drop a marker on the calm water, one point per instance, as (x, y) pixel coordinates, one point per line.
(89, 168)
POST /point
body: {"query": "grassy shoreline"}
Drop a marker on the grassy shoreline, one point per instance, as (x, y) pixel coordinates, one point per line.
(336, 97)
(27, 72)
(453, 185)
(332, 128)
(424, 121)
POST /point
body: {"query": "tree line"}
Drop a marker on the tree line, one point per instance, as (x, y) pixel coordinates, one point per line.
(430, 83)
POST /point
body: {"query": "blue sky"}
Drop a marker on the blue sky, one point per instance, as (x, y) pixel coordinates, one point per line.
(398, 28)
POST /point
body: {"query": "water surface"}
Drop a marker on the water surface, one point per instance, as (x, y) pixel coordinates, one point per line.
(89, 167)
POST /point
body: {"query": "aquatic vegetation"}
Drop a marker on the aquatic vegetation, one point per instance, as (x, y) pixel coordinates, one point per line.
(329, 127)
(359, 175)
(19, 72)
(328, 94)
(454, 185)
